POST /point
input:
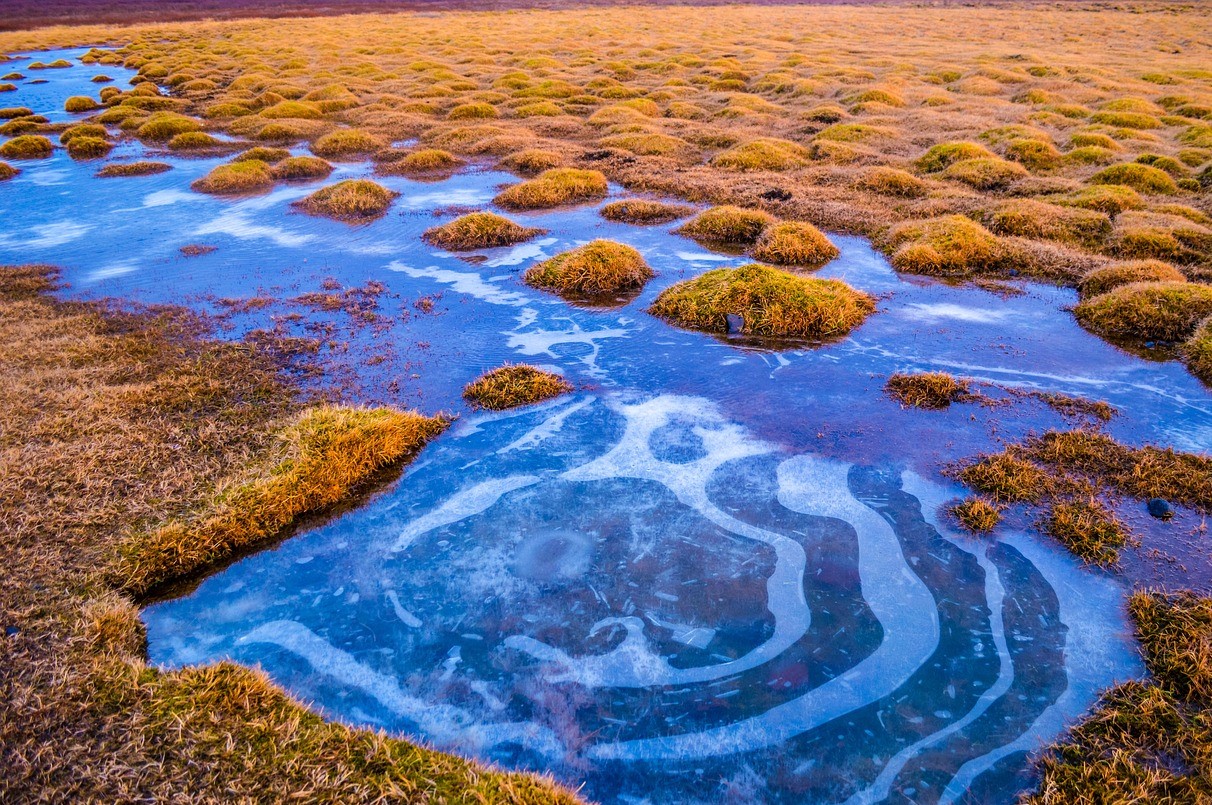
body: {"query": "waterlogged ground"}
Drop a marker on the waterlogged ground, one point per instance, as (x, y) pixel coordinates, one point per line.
(715, 571)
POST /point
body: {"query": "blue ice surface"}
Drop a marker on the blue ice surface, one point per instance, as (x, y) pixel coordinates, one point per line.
(717, 570)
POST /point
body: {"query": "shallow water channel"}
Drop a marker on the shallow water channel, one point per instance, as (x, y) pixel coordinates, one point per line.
(717, 571)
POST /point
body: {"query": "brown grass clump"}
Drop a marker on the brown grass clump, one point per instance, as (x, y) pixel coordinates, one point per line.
(1087, 528)
(727, 225)
(1110, 199)
(1147, 741)
(514, 385)
(763, 154)
(1007, 478)
(644, 212)
(553, 188)
(13, 112)
(236, 178)
(424, 162)
(83, 130)
(949, 246)
(195, 141)
(7, 171)
(27, 146)
(531, 161)
(977, 515)
(88, 147)
(1107, 278)
(942, 156)
(1142, 178)
(473, 111)
(264, 153)
(794, 243)
(163, 126)
(301, 168)
(118, 169)
(771, 302)
(80, 103)
(351, 200)
(345, 143)
(479, 230)
(1197, 352)
(323, 455)
(933, 390)
(125, 422)
(1147, 311)
(598, 268)
(297, 110)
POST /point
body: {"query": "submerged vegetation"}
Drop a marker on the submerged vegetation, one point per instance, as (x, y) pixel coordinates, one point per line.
(935, 390)
(643, 212)
(769, 302)
(514, 385)
(479, 230)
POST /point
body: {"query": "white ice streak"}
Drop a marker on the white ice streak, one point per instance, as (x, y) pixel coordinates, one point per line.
(464, 282)
(464, 503)
(440, 723)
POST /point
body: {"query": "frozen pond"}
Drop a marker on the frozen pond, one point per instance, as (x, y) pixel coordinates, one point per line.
(715, 572)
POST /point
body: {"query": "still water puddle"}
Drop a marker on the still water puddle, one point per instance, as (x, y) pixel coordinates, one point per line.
(713, 572)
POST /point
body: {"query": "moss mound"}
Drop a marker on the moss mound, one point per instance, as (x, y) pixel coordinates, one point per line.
(195, 141)
(27, 146)
(1147, 311)
(794, 243)
(83, 130)
(727, 225)
(1142, 178)
(163, 126)
(771, 302)
(933, 390)
(353, 201)
(949, 246)
(943, 155)
(1037, 219)
(553, 188)
(643, 212)
(346, 142)
(248, 176)
(88, 147)
(133, 169)
(80, 103)
(421, 163)
(985, 174)
(598, 268)
(1197, 352)
(514, 385)
(299, 168)
(1107, 278)
(479, 230)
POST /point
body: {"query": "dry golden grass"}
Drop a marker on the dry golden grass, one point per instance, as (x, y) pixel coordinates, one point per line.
(771, 302)
(1147, 742)
(514, 385)
(479, 230)
(421, 163)
(794, 243)
(301, 168)
(553, 188)
(1153, 311)
(143, 168)
(1110, 277)
(1197, 352)
(977, 515)
(111, 425)
(644, 212)
(727, 225)
(598, 268)
(7, 171)
(934, 390)
(84, 147)
(27, 146)
(1087, 528)
(236, 178)
(351, 200)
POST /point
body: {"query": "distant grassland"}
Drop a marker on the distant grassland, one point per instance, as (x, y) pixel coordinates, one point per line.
(1033, 141)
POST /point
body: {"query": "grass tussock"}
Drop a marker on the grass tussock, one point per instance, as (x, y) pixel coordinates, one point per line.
(423, 162)
(351, 200)
(142, 168)
(933, 390)
(1147, 741)
(644, 212)
(325, 454)
(953, 245)
(794, 243)
(127, 423)
(727, 225)
(479, 230)
(236, 178)
(770, 302)
(7, 171)
(88, 147)
(27, 146)
(598, 268)
(977, 515)
(347, 143)
(1141, 178)
(1087, 528)
(1147, 311)
(514, 385)
(553, 188)
(891, 182)
(302, 168)
(1197, 352)
(1108, 278)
